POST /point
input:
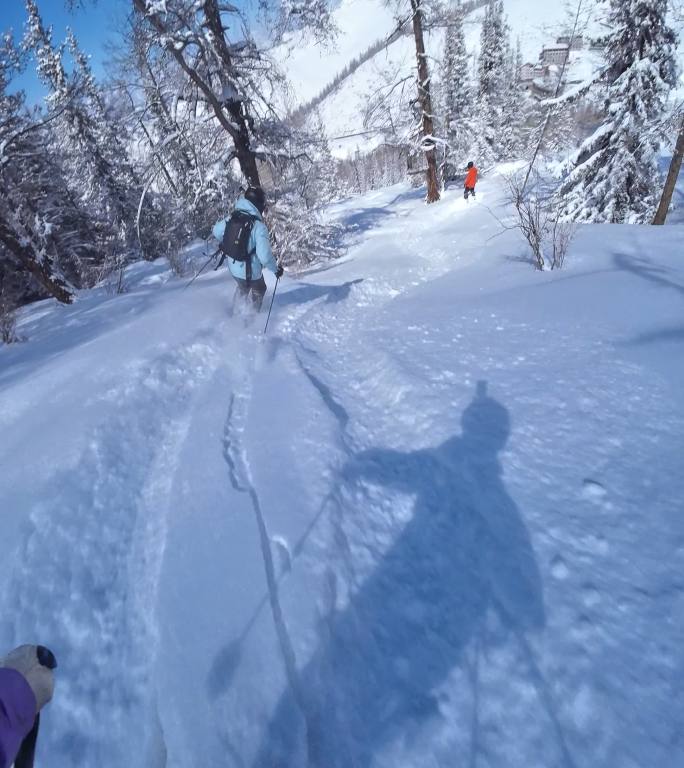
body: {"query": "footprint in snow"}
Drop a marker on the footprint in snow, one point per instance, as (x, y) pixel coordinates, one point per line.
(591, 597)
(559, 568)
(592, 490)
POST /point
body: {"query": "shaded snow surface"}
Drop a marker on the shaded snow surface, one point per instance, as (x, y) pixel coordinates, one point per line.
(433, 519)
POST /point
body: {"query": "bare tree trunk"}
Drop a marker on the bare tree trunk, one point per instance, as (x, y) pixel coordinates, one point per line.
(236, 121)
(236, 108)
(672, 176)
(425, 104)
(39, 269)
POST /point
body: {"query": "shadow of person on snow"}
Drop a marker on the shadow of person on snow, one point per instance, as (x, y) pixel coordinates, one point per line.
(465, 551)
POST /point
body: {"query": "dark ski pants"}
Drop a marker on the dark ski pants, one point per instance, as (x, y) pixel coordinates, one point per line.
(252, 289)
(469, 191)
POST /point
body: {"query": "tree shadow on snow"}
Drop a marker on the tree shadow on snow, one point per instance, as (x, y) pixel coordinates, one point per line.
(465, 552)
(413, 193)
(523, 257)
(62, 328)
(663, 335)
(653, 273)
(354, 224)
(363, 219)
(332, 293)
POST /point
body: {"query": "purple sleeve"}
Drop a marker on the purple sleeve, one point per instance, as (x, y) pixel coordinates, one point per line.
(17, 714)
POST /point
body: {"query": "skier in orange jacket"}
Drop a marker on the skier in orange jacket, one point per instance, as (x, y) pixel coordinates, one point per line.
(470, 181)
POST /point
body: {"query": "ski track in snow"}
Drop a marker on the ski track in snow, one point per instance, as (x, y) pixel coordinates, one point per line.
(410, 386)
(107, 512)
(241, 481)
(450, 565)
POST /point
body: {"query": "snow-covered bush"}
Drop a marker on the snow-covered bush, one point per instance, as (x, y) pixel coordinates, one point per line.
(112, 275)
(302, 237)
(562, 233)
(540, 221)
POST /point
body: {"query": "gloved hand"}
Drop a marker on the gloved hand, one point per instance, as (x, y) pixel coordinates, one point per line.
(35, 663)
(279, 271)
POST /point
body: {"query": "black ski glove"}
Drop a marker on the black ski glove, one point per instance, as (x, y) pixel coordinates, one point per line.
(279, 271)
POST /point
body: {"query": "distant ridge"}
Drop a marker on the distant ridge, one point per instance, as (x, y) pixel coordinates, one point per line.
(402, 29)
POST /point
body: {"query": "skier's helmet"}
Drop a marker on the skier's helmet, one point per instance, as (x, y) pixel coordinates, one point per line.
(257, 197)
(471, 164)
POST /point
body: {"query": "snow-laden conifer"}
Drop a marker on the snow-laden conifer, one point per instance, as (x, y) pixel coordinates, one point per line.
(489, 117)
(614, 176)
(456, 90)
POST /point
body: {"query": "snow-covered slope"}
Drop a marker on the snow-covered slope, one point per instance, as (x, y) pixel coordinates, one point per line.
(311, 67)
(363, 22)
(433, 518)
(539, 22)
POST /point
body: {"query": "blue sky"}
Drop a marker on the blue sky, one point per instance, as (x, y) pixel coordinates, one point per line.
(94, 25)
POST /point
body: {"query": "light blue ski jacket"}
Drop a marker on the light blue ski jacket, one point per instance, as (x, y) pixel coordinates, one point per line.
(259, 244)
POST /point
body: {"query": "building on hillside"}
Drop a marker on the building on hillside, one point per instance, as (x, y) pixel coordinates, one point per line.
(555, 54)
(541, 79)
(577, 42)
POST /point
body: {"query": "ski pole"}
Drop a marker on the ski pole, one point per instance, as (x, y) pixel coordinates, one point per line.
(202, 268)
(271, 307)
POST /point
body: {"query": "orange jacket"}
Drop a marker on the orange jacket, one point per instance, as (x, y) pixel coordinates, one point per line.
(471, 178)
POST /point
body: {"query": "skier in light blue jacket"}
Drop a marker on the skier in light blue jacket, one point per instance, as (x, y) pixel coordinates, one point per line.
(247, 268)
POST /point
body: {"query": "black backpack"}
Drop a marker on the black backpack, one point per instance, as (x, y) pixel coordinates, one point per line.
(235, 242)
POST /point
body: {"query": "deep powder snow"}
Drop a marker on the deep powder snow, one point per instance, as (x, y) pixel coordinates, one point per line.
(434, 518)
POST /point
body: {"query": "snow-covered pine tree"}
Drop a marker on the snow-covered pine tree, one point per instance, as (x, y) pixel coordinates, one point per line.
(492, 49)
(45, 234)
(318, 174)
(96, 165)
(456, 91)
(118, 177)
(515, 112)
(614, 176)
(488, 119)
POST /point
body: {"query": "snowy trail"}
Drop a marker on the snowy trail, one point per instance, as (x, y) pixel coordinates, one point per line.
(241, 480)
(435, 515)
(412, 395)
(107, 513)
(355, 549)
